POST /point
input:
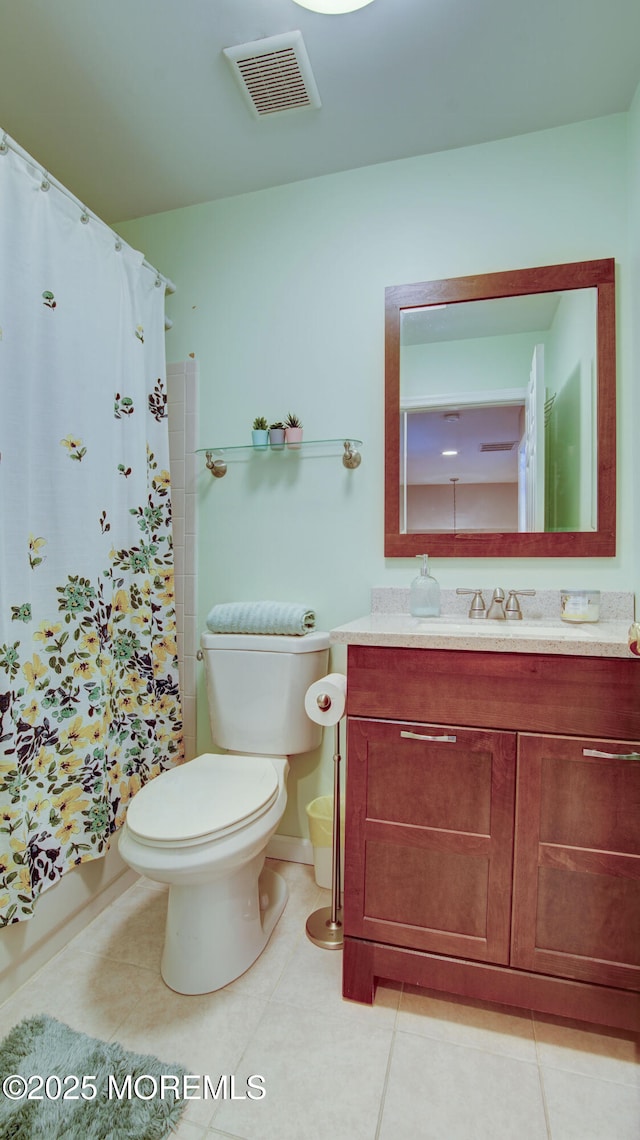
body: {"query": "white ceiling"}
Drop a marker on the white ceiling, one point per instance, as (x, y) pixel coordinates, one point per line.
(429, 436)
(131, 104)
(497, 316)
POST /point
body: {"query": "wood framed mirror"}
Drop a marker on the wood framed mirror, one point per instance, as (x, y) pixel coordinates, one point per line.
(500, 414)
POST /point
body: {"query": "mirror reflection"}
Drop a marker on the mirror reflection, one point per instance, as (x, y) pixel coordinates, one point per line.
(497, 415)
(500, 395)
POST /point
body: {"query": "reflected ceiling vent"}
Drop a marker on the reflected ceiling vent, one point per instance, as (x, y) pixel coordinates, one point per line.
(504, 445)
(275, 74)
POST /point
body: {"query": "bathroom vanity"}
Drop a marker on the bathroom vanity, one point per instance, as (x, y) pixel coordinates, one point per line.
(493, 813)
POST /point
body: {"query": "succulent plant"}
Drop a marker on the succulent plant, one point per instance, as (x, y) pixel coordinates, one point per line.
(277, 426)
(260, 423)
(292, 421)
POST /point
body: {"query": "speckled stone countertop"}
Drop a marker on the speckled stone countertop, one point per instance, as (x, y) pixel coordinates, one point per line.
(539, 631)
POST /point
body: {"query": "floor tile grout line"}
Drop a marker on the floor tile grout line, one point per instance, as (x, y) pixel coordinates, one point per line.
(545, 1105)
(594, 1080)
(389, 1061)
(577, 1072)
(241, 1057)
(385, 1084)
(468, 1045)
(317, 1009)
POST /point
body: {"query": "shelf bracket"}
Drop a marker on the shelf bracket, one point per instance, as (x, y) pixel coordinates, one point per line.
(217, 467)
(352, 457)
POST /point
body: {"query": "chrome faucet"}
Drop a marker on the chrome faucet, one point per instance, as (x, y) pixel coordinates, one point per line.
(512, 609)
(498, 610)
(477, 609)
(496, 607)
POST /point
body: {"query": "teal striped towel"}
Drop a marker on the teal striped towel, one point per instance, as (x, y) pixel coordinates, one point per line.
(261, 617)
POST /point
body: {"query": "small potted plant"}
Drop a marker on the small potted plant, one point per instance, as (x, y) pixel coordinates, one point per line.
(293, 431)
(276, 436)
(260, 433)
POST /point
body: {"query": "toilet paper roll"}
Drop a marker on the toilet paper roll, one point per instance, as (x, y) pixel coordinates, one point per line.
(333, 686)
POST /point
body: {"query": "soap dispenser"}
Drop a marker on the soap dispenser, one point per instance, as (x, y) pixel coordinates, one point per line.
(425, 592)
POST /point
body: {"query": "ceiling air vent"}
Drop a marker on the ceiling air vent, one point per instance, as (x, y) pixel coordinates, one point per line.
(275, 74)
(504, 445)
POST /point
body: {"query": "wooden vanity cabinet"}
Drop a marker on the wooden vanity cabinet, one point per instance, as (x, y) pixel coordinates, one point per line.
(492, 851)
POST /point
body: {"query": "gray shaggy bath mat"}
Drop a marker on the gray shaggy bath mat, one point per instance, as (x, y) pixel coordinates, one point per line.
(124, 1096)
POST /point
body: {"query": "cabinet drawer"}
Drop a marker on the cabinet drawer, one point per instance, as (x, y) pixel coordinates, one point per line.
(429, 837)
(593, 696)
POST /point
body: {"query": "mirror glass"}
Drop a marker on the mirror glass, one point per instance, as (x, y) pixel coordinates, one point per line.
(500, 433)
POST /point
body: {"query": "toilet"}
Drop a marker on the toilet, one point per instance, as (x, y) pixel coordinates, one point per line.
(203, 827)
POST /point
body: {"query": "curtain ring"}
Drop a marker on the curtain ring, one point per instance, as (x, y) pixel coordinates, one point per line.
(4, 146)
(158, 281)
(45, 184)
(84, 217)
(118, 245)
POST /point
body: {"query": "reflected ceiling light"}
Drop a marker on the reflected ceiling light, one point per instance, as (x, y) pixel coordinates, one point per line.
(332, 7)
(418, 308)
(449, 453)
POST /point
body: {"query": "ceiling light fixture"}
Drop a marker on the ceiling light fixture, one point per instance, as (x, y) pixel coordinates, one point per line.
(332, 7)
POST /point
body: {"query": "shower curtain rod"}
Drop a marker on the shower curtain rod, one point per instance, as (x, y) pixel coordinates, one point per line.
(48, 180)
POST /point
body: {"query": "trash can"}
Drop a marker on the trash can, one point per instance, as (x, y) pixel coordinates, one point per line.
(320, 815)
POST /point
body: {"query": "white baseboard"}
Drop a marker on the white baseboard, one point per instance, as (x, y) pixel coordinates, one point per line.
(290, 848)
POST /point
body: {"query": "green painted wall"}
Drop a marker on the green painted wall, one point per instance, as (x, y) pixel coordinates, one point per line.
(478, 364)
(281, 299)
(570, 376)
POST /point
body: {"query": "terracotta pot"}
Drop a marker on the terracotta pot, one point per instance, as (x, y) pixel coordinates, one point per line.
(293, 436)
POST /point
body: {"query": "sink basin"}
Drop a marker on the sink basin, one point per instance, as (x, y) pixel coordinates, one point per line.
(550, 629)
(477, 627)
(450, 628)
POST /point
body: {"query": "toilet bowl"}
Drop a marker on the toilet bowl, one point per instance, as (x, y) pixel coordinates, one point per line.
(203, 827)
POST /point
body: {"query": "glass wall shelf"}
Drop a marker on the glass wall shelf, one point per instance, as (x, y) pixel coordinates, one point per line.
(217, 458)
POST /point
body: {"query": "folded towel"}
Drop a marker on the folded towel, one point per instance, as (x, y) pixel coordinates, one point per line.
(261, 617)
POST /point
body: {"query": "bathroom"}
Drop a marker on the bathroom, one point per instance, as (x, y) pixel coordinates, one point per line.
(279, 306)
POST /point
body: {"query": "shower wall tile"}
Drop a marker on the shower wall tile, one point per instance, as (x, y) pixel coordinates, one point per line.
(177, 470)
(190, 595)
(190, 515)
(182, 410)
(178, 524)
(176, 389)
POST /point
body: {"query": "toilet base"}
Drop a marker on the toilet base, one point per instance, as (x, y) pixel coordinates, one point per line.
(215, 931)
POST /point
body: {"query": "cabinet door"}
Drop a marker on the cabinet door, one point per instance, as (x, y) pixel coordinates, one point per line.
(576, 901)
(429, 837)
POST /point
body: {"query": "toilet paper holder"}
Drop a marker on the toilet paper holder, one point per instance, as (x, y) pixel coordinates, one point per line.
(324, 927)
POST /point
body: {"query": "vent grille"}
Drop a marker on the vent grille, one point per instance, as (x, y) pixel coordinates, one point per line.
(505, 445)
(275, 75)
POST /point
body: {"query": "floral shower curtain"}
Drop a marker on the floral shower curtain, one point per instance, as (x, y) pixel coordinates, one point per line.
(89, 703)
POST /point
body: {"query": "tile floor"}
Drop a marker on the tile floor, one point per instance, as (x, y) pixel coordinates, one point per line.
(415, 1066)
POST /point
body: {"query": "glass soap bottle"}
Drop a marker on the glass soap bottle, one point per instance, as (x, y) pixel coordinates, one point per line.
(424, 600)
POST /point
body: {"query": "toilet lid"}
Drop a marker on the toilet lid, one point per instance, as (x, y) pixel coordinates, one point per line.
(209, 795)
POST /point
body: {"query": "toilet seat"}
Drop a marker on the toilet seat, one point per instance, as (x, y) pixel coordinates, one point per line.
(205, 799)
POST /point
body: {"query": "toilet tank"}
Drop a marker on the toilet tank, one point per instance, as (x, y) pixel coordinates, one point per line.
(256, 684)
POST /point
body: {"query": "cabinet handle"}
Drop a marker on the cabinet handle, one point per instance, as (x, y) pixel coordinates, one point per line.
(611, 755)
(418, 736)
